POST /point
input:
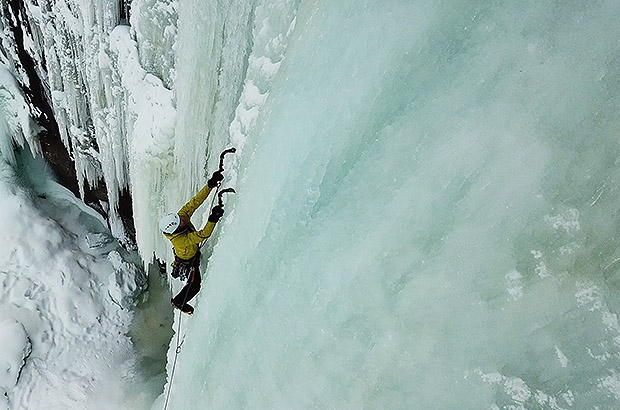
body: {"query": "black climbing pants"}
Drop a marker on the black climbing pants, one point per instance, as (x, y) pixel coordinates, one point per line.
(192, 286)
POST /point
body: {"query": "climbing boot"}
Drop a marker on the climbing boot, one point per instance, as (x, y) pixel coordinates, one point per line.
(186, 308)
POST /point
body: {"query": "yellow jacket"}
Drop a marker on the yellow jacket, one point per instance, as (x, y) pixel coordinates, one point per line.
(185, 242)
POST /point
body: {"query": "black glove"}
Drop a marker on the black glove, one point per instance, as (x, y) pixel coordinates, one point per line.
(216, 213)
(215, 179)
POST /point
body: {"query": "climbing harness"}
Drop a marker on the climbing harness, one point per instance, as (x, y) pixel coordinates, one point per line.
(184, 268)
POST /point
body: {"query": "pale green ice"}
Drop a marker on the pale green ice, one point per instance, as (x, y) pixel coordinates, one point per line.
(427, 212)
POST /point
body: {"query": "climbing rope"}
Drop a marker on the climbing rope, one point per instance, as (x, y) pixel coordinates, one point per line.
(180, 341)
(177, 350)
(174, 364)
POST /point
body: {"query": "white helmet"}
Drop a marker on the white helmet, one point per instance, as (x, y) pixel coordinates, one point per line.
(169, 223)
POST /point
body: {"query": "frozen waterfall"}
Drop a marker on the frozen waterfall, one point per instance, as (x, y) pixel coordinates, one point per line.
(427, 208)
(426, 215)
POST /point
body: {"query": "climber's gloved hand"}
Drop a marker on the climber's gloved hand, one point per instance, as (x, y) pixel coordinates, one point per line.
(215, 179)
(216, 213)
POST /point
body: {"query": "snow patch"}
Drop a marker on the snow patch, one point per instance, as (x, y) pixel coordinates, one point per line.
(514, 387)
(561, 357)
(517, 389)
(56, 308)
(568, 249)
(16, 347)
(612, 383)
(569, 398)
(514, 285)
(541, 270)
(546, 400)
(589, 297)
(567, 221)
(610, 320)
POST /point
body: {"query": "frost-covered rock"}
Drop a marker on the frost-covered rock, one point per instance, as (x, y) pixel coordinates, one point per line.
(16, 348)
(126, 283)
(96, 240)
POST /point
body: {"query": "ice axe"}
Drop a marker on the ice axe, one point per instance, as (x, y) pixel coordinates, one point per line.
(220, 199)
(226, 151)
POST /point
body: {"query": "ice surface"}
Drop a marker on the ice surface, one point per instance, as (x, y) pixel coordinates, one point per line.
(425, 216)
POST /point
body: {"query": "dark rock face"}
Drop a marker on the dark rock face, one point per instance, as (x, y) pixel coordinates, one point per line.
(54, 150)
(125, 7)
(35, 91)
(56, 154)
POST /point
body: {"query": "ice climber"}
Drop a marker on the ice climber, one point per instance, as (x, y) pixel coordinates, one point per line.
(185, 239)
